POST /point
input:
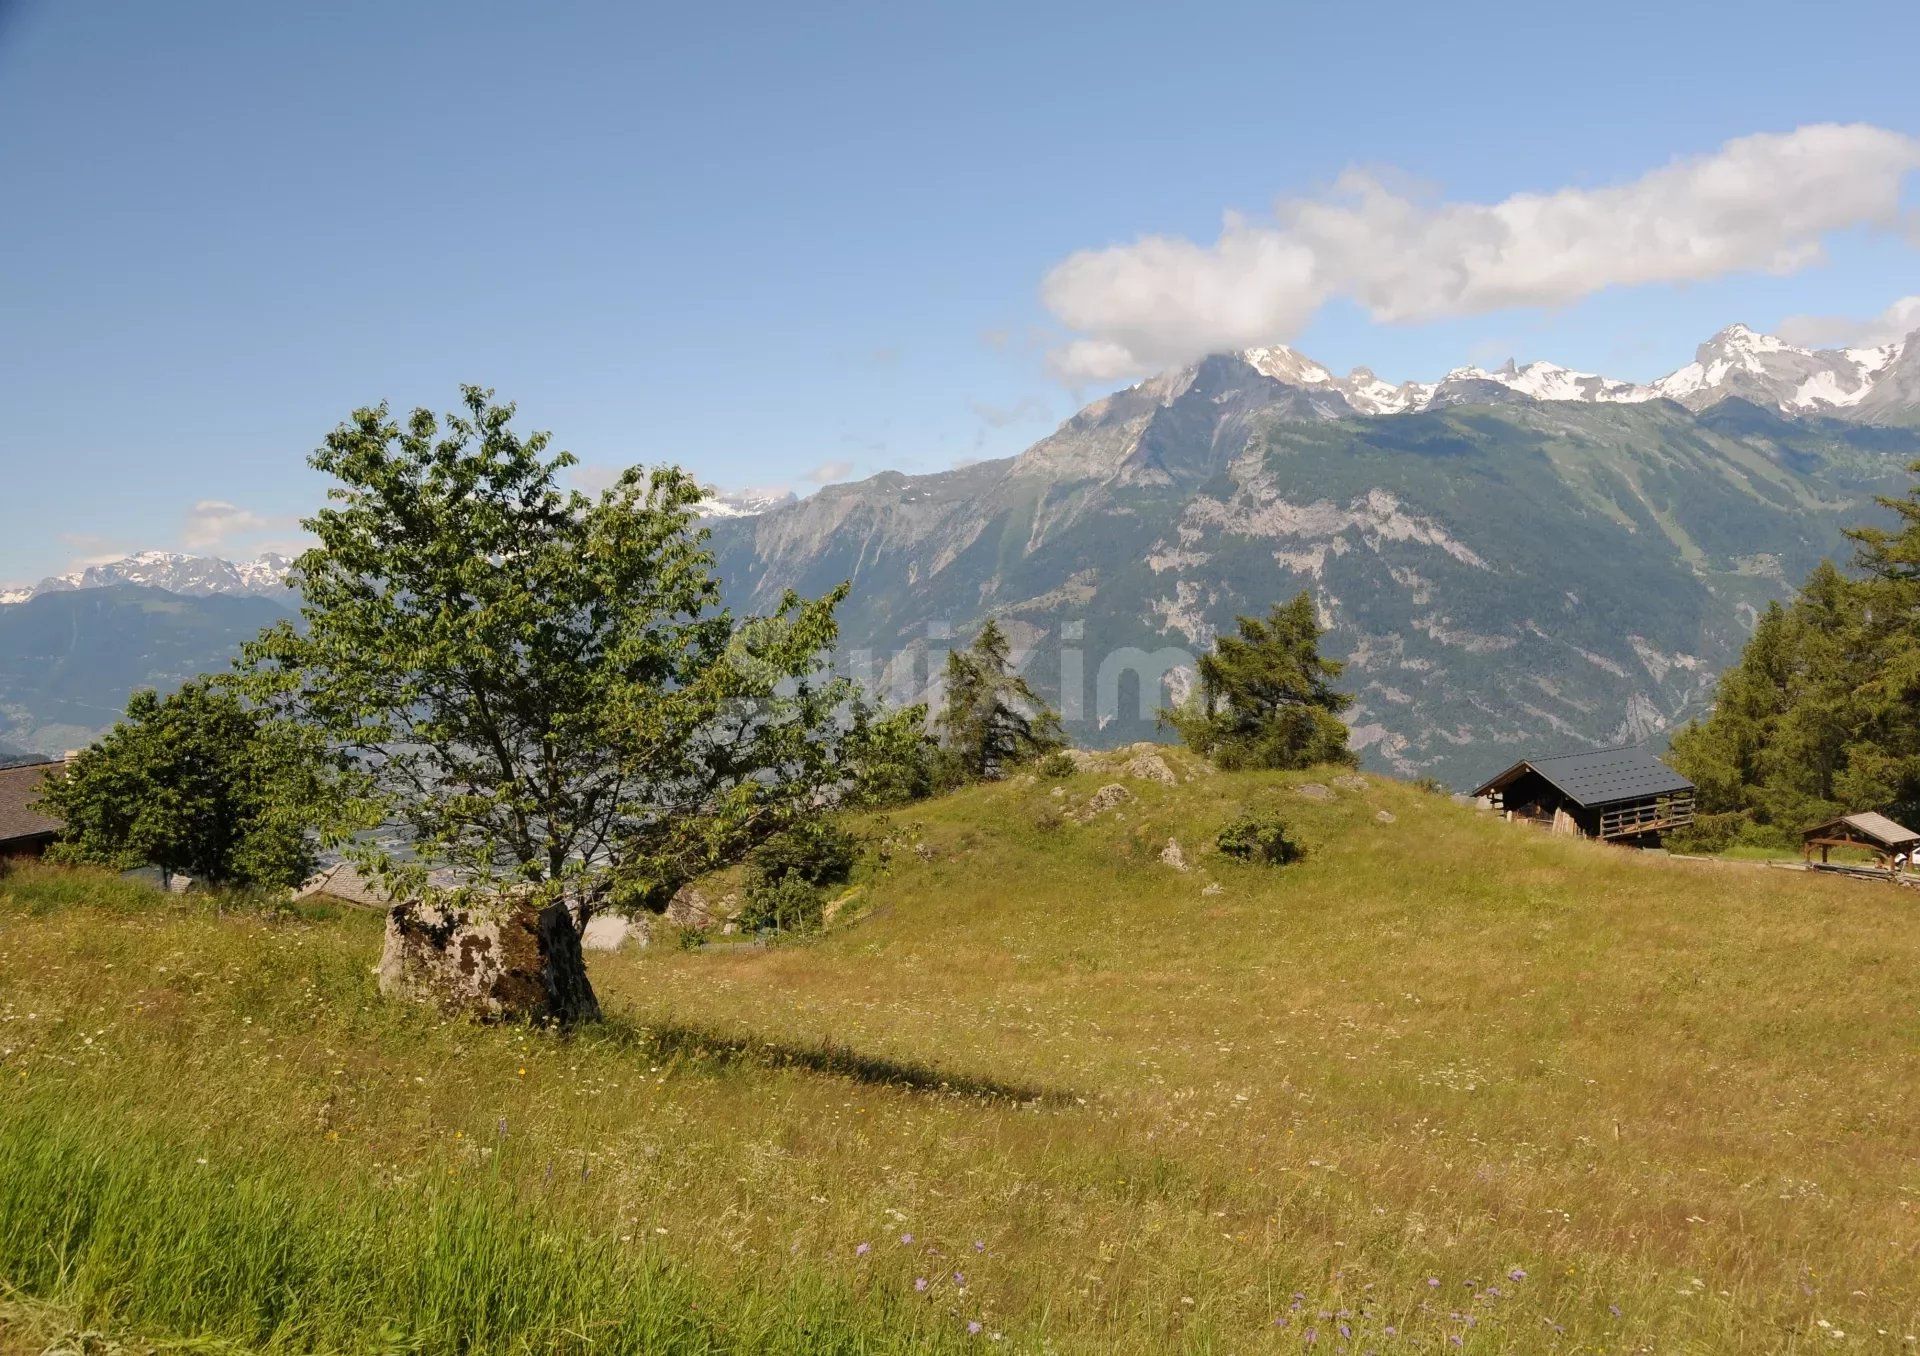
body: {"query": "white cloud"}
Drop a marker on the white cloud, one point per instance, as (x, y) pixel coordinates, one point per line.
(212, 522)
(1759, 203)
(827, 472)
(1840, 331)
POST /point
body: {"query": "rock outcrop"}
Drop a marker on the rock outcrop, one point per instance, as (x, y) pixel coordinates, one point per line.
(499, 963)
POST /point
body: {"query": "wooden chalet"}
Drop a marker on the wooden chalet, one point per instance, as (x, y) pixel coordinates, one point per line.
(1890, 843)
(25, 829)
(1617, 795)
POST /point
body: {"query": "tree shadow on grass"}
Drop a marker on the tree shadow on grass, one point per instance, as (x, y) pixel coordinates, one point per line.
(681, 1041)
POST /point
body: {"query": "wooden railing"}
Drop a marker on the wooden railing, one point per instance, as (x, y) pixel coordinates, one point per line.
(1647, 816)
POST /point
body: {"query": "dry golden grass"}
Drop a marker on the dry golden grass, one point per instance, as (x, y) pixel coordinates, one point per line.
(1446, 1079)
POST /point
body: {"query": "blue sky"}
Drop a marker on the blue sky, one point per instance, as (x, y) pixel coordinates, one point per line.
(774, 242)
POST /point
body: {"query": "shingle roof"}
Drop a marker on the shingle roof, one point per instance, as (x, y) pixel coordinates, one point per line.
(19, 789)
(343, 882)
(1875, 826)
(1602, 776)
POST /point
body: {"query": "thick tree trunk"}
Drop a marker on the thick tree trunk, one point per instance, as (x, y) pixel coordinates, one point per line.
(510, 962)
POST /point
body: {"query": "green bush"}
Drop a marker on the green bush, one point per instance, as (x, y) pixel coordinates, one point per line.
(1709, 833)
(786, 903)
(1056, 765)
(1259, 838)
(817, 851)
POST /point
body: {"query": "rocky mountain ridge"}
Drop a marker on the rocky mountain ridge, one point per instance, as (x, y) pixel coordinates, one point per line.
(176, 572)
(1870, 384)
(1502, 569)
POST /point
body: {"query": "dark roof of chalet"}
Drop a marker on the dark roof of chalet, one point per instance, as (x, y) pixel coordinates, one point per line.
(1600, 776)
(19, 788)
(1874, 827)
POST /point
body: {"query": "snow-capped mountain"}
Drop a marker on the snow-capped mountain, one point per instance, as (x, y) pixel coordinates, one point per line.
(744, 504)
(1862, 383)
(174, 571)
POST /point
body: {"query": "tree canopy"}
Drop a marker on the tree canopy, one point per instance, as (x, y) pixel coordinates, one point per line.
(1265, 698)
(1821, 716)
(991, 719)
(198, 784)
(540, 686)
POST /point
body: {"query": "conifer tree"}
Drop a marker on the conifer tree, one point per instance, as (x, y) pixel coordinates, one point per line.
(992, 719)
(1266, 698)
(1822, 714)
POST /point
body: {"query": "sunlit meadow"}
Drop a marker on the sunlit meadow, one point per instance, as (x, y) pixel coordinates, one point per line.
(1447, 1084)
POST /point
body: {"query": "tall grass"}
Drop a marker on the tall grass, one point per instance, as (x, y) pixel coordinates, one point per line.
(130, 1227)
(1445, 1079)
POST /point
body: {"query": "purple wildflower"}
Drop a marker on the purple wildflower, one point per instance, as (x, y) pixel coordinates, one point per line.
(973, 1328)
(920, 1283)
(1433, 1282)
(906, 1238)
(1310, 1336)
(1517, 1275)
(979, 1246)
(960, 1279)
(1614, 1309)
(863, 1250)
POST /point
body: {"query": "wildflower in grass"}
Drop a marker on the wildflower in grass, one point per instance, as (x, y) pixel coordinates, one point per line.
(920, 1284)
(1433, 1282)
(979, 1246)
(1517, 1274)
(973, 1327)
(1310, 1336)
(906, 1239)
(863, 1250)
(1614, 1309)
(960, 1279)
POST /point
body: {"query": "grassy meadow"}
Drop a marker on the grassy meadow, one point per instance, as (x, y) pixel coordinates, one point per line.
(1446, 1084)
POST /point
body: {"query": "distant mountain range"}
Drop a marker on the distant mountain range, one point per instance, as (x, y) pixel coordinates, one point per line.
(69, 658)
(1521, 558)
(1869, 384)
(193, 576)
(1525, 558)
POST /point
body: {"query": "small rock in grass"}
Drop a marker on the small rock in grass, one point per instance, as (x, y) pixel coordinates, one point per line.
(1108, 797)
(1315, 791)
(1172, 856)
(1351, 781)
(1150, 767)
(1384, 816)
(1212, 888)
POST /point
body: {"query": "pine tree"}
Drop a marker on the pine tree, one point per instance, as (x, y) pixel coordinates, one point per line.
(992, 719)
(1822, 713)
(1266, 698)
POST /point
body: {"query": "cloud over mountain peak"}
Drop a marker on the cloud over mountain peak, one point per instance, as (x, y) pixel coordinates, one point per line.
(1761, 203)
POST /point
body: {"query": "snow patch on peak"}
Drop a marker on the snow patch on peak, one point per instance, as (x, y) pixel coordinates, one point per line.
(744, 504)
(1286, 364)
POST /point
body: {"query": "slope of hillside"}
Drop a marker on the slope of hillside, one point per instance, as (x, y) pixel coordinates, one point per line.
(69, 659)
(1501, 576)
(1446, 1078)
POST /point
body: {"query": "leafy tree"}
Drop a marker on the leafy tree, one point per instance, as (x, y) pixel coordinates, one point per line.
(1266, 698)
(541, 686)
(992, 719)
(890, 758)
(198, 784)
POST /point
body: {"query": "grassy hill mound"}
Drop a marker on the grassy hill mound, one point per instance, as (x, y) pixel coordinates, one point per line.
(1446, 1083)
